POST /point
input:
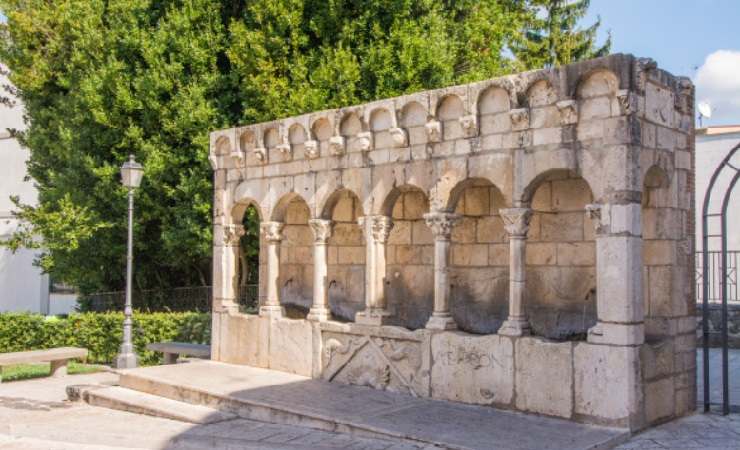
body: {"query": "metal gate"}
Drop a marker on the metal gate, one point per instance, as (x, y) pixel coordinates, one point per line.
(734, 172)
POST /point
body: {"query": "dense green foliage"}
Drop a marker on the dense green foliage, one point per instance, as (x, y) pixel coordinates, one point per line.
(101, 333)
(552, 36)
(104, 78)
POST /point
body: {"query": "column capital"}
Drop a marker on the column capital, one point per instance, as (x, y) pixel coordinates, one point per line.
(441, 223)
(516, 221)
(272, 231)
(232, 233)
(378, 225)
(322, 230)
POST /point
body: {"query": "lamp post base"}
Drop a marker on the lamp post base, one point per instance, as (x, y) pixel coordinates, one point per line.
(127, 361)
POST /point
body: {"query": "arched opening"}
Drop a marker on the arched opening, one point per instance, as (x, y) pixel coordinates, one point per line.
(249, 261)
(493, 109)
(409, 259)
(560, 297)
(413, 117)
(660, 217)
(296, 256)
(346, 255)
(296, 138)
(449, 111)
(380, 121)
(479, 258)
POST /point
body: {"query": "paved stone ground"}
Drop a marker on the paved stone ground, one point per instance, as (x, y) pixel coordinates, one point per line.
(34, 415)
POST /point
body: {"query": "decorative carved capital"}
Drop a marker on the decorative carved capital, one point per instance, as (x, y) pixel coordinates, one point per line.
(286, 150)
(232, 234)
(441, 223)
(399, 136)
(516, 221)
(469, 124)
(568, 111)
(336, 145)
(627, 102)
(237, 156)
(379, 226)
(434, 130)
(321, 229)
(519, 119)
(365, 140)
(261, 154)
(311, 149)
(272, 231)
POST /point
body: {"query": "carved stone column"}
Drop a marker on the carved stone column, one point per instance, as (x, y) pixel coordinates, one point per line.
(225, 265)
(271, 232)
(376, 229)
(441, 224)
(516, 223)
(322, 232)
(619, 296)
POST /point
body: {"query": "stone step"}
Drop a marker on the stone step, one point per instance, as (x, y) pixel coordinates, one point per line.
(260, 411)
(123, 399)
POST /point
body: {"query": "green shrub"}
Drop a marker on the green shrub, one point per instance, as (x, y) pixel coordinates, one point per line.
(101, 333)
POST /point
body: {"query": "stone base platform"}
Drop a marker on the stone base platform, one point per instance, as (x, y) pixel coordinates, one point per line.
(279, 397)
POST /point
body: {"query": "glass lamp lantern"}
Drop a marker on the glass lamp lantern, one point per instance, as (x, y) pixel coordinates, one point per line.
(131, 173)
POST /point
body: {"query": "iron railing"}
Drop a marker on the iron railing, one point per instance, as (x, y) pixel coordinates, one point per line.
(715, 276)
(193, 298)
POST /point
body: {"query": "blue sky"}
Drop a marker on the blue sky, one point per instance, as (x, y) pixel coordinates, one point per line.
(685, 37)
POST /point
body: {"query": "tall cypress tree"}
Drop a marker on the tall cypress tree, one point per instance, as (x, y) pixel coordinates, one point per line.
(552, 36)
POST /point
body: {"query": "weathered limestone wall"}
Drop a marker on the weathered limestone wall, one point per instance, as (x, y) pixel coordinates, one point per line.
(552, 208)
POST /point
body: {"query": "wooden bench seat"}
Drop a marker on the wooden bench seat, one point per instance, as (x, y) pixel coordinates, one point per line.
(172, 350)
(58, 357)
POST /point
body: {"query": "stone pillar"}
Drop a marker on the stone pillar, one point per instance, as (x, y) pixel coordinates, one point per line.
(322, 232)
(516, 223)
(376, 229)
(619, 296)
(225, 267)
(271, 232)
(441, 224)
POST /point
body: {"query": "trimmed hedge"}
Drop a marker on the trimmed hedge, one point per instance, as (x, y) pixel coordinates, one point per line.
(101, 333)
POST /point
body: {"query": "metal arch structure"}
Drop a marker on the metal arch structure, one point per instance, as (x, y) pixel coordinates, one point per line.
(725, 166)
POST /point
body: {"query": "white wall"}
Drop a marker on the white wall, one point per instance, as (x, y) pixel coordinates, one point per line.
(710, 151)
(23, 287)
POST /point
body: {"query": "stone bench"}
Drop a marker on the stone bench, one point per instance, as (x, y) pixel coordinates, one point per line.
(58, 357)
(172, 350)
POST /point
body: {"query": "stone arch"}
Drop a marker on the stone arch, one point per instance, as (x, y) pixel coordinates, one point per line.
(296, 134)
(350, 125)
(346, 255)
(271, 137)
(413, 114)
(597, 83)
(450, 107)
(479, 257)
(381, 119)
(409, 258)
(493, 100)
(296, 255)
(223, 145)
(540, 93)
(322, 129)
(560, 293)
(247, 141)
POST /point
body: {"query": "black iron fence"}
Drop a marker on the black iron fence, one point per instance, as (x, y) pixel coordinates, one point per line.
(715, 276)
(193, 298)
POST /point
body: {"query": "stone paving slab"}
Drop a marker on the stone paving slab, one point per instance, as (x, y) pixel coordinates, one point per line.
(449, 424)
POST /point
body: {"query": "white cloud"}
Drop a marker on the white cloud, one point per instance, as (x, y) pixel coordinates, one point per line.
(718, 82)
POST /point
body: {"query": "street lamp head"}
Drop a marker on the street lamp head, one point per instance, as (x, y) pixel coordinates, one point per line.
(131, 173)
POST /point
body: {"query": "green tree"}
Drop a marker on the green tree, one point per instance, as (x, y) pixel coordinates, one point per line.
(552, 37)
(104, 78)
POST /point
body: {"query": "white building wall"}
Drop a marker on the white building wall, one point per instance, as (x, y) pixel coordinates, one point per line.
(711, 149)
(23, 286)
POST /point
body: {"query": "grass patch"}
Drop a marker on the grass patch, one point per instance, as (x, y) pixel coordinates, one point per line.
(28, 371)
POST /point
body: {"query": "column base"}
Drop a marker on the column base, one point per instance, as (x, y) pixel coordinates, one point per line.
(441, 322)
(617, 334)
(319, 314)
(515, 326)
(375, 317)
(273, 311)
(127, 361)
